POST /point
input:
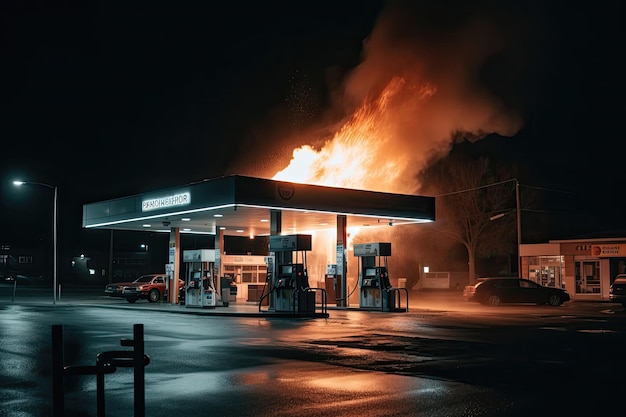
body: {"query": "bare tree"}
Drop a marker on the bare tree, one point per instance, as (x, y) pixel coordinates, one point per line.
(469, 193)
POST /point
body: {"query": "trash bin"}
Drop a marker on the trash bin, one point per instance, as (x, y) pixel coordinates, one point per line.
(225, 296)
(225, 283)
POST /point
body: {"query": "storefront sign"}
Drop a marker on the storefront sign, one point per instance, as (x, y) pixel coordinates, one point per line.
(608, 250)
(181, 199)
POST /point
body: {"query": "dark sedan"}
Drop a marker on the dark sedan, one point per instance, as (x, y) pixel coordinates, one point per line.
(20, 279)
(496, 291)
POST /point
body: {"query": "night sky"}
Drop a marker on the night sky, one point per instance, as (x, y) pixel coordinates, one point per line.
(108, 99)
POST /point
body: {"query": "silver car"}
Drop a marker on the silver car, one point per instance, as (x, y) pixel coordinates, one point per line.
(617, 290)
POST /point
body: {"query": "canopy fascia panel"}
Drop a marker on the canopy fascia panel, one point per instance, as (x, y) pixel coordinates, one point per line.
(244, 202)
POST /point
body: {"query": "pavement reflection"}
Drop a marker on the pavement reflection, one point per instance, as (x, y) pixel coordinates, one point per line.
(444, 357)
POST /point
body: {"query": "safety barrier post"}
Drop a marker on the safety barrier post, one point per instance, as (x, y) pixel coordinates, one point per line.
(106, 363)
(58, 392)
(138, 366)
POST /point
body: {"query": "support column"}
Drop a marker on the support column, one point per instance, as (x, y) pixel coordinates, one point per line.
(276, 226)
(219, 245)
(342, 265)
(174, 256)
(111, 258)
(276, 222)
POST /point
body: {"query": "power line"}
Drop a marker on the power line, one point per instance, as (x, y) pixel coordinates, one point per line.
(504, 182)
(549, 189)
(476, 188)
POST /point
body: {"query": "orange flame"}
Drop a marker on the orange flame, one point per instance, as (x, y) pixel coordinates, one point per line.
(355, 156)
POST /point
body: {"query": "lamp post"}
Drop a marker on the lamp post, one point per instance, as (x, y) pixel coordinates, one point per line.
(519, 229)
(54, 232)
(518, 212)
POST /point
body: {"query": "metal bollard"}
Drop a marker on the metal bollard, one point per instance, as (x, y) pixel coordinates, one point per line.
(136, 359)
(106, 363)
(58, 392)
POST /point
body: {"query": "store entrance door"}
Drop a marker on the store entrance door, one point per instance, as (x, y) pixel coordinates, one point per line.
(588, 277)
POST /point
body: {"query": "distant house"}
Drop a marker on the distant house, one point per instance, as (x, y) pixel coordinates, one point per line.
(24, 261)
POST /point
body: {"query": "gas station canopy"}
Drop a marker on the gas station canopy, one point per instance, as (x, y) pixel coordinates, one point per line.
(243, 206)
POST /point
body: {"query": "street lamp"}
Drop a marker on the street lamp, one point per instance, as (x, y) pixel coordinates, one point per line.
(518, 212)
(519, 229)
(54, 231)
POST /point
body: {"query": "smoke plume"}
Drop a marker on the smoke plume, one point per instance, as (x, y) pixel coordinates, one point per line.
(429, 76)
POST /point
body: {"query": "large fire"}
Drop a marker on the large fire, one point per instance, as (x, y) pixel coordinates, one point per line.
(426, 81)
(356, 157)
(422, 85)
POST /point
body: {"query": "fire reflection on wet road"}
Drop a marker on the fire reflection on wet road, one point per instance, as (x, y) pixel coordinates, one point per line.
(355, 363)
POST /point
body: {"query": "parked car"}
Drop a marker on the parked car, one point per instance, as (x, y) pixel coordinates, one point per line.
(617, 290)
(21, 279)
(496, 291)
(151, 287)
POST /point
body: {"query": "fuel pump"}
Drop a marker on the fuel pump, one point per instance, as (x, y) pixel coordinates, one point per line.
(290, 290)
(376, 292)
(199, 285)
(333, 284)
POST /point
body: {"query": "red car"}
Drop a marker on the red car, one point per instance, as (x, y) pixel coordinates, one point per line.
(151, 287)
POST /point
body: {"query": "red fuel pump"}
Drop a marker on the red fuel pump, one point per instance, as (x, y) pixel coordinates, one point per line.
(332, 284)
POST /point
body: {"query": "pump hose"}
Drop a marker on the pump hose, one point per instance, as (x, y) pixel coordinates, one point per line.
(347, 296)
(268, 283)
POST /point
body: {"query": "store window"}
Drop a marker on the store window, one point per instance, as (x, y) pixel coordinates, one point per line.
(247, 274)
(588, 277)
(24, 259)
(545, 270)
(262, 273)
(231, 271)
(533, 268)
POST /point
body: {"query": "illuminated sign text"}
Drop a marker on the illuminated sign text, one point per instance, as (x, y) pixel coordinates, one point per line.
(164, 202)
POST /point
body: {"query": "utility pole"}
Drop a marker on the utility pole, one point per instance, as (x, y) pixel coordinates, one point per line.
(519, 229)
